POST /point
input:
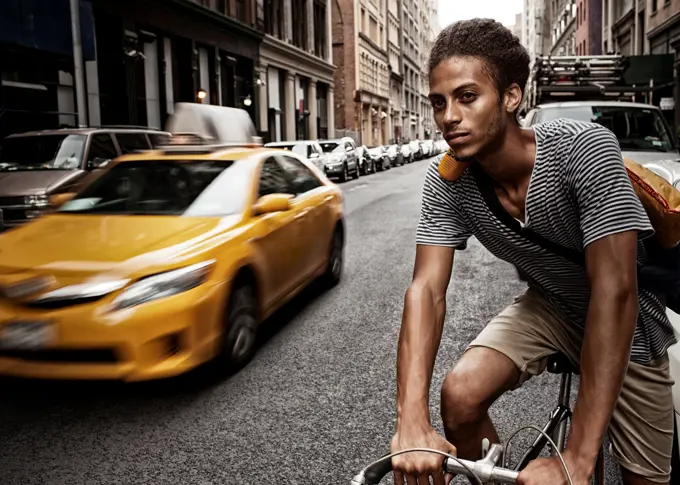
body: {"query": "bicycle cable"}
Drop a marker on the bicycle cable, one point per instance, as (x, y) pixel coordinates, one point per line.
(428, 450)
(536, 428)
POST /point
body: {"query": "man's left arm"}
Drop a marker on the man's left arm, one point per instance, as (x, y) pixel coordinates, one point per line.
(612, 219)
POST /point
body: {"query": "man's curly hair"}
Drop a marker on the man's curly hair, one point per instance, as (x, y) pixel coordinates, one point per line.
(506, 60)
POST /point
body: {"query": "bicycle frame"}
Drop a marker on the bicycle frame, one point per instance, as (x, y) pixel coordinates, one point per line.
(557, 428)
(556, 422)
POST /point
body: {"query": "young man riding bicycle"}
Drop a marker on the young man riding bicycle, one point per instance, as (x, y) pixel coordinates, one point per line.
(566, 181)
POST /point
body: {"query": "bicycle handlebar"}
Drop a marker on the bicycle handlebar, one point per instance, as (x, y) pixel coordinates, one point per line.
(485, 469)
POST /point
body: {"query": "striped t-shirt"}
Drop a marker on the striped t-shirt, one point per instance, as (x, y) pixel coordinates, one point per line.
(579, 192)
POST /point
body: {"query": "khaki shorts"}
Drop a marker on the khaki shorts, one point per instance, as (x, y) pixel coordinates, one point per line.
(641, 428)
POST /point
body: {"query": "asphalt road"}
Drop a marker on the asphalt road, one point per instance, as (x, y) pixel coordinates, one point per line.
(315, 405)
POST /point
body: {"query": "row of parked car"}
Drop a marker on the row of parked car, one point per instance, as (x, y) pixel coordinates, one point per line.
(38, 164)
(343, 159)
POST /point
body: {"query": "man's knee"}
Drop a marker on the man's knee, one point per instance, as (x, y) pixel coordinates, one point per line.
(459, 406)
(478, 379)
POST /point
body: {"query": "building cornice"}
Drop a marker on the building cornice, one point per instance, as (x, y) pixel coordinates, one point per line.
(368, 97)
(280, 54)
(373, 45)
(663, 25)
(629, 15)
(567, 30)
(229, 23)
(396, 76)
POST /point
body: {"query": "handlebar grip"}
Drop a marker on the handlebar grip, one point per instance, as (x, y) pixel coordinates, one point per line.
(378, 471)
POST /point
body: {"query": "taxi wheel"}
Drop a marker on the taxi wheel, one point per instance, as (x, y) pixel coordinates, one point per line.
(333, 273)
(240, 329)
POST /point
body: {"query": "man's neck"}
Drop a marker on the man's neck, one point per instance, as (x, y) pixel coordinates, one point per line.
(512, 161)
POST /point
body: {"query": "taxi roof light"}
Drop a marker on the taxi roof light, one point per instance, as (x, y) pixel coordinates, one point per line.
(201, 128)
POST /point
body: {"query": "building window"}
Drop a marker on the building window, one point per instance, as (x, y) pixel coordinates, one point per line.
(320, 29)
(654, 5)
(373, 30)
(300, 30)
(583, 9)
(241, 11)
(273, 18)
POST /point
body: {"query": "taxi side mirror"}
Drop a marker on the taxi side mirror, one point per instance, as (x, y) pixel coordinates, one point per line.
(57, 200)
(272, 203)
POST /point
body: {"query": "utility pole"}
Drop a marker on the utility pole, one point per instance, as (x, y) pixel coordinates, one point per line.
(79, 71)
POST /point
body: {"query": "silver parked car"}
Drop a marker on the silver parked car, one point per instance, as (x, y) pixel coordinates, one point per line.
(341, 158)
(642, 130)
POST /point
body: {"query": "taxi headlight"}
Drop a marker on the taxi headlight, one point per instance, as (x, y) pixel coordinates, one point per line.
(163, 285)
(676, 184)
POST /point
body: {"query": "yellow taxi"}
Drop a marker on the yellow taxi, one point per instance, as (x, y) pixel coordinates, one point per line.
(170, 259)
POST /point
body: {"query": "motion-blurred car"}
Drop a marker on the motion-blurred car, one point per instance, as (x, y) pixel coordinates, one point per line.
(341, 158)
(170, 259)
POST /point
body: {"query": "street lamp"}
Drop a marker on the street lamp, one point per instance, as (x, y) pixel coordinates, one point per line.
(248, 101)
(201, 95)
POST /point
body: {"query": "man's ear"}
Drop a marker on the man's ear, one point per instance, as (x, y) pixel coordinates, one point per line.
(512, 98)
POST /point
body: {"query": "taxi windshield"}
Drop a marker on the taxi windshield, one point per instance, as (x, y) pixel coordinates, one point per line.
(44, 152)
(166, 187)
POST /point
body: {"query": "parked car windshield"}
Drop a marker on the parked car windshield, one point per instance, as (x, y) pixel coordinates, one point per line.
(166, 187)
(43, 152)
(332, 147)
(636, 128)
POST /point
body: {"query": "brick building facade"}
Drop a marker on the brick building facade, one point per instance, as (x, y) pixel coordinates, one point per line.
(589, 27)
(344, 58)
(380, 49)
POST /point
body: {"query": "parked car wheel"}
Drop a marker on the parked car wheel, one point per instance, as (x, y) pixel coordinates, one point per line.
(345, 174)
(363, 169)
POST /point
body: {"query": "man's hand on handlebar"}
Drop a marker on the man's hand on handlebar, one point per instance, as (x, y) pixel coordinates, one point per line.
(417, 468)
(545, 470)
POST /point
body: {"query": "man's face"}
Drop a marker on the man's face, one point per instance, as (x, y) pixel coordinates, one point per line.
(466, 106)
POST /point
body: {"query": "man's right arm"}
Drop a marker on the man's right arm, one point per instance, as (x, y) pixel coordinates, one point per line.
(441, 229)
(419, 339)
(421, 332)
